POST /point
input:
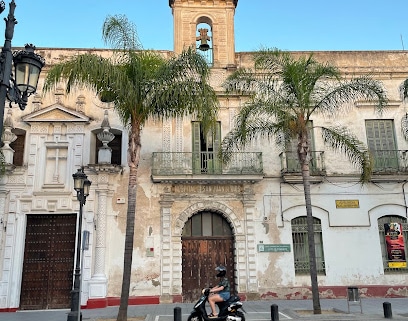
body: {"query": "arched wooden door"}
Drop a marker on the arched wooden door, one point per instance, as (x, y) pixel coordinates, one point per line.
(207, 242)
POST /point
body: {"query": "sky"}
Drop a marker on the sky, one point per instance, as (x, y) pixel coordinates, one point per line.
(284, 24)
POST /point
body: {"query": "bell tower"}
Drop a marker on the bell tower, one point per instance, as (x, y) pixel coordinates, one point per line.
(208, 25)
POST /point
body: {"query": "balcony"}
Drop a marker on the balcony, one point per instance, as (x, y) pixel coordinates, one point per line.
(390, 165)
(292, 173)
(205, 167)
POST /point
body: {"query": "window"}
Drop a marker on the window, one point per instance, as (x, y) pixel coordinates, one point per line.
(205, 150)
(382, 221)
(18, 146)
(381, 143)
(207, 224)
(301, 245)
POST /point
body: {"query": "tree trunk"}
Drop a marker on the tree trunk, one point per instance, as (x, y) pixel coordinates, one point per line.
(303, 151)
(134, 157)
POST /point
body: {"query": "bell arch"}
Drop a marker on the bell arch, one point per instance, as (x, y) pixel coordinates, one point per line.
(187, 15)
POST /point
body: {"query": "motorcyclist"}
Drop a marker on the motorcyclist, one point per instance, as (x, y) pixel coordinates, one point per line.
(221, 292)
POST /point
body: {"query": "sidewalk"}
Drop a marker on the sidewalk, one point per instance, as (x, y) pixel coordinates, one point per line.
(333, 309)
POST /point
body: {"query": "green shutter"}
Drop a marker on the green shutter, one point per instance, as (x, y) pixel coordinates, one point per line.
(216, 147)
(381, 143)
(196, 148)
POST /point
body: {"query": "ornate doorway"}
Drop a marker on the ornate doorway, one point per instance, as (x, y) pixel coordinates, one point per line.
(207, 241)
(48, 262)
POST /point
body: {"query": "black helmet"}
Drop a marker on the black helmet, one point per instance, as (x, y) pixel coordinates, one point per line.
(221, 271)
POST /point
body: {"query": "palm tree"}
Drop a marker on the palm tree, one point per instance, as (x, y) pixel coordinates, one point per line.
(142, 85)
(284, 93)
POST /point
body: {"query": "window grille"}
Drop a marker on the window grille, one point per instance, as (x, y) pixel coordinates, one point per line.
(301, 245)
(392, 219)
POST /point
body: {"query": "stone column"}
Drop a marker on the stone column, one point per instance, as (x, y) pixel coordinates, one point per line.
(98, 282)
(166, 250)
(249, 210)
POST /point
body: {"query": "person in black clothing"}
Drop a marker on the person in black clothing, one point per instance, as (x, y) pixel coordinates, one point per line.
(219, 293)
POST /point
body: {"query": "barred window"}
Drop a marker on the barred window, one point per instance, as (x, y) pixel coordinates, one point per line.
(301, 245)
(381, 228)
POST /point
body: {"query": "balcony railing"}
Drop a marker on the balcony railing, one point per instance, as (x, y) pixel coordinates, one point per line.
(390, 161)
(290, 163)
(388, 165)
(167, 164)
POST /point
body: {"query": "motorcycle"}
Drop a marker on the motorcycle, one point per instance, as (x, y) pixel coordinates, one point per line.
(228, 310)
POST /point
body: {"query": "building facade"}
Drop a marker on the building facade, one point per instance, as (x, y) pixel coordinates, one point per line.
(193, 212)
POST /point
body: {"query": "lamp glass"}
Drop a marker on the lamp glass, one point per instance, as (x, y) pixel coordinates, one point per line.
(87, 187)
(78, 183)
(27, 76)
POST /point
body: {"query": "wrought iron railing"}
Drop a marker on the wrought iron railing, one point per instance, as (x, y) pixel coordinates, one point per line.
(206, 163)
(290, 162)
(390, 161)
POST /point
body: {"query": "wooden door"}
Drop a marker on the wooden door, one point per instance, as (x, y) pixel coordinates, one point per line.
(48, 262)
(206, 243)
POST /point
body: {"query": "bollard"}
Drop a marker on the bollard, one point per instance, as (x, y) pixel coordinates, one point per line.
(387, 310)
(274, 312)
(177, 314)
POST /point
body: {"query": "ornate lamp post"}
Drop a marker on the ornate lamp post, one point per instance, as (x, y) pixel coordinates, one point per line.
(82, 186)
(27, 67)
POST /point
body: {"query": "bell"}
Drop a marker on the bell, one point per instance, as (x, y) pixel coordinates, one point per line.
(203, 38)
(204, 47)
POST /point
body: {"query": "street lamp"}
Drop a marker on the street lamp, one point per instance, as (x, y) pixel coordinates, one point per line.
(82, 186)
(27, 67)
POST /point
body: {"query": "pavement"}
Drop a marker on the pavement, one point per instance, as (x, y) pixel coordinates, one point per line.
(300, 310)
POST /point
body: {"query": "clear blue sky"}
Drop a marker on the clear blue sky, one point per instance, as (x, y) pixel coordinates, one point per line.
(284, 24)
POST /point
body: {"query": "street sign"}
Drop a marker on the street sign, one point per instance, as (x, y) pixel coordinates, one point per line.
(273, 247)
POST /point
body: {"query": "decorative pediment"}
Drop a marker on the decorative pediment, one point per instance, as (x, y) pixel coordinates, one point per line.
(56, 113)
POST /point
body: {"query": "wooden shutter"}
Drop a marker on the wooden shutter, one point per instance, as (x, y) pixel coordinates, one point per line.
(381, 143)
(196, 147)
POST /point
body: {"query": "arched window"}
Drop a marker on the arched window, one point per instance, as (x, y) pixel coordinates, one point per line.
(204, 40)
(207, 224)
(301, 245)
(383, 222)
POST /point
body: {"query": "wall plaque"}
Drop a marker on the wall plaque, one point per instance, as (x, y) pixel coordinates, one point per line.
(347, 204)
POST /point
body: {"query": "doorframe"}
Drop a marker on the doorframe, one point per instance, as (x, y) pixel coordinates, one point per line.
(171, 251)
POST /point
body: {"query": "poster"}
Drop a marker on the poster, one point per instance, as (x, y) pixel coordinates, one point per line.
(394, 241)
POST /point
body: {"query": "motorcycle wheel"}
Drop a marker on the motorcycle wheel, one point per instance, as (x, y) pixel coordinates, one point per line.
(241, 315)
(194, 317)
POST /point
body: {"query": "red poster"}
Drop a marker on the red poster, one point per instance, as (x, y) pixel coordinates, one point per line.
(395, 245)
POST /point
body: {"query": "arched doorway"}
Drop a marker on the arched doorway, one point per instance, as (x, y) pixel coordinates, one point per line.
(207, 241)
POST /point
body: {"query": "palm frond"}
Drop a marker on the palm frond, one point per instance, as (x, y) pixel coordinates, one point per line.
(404, 90)
(404, 126)
(332, 97)
(120, 33)
(340, 138)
